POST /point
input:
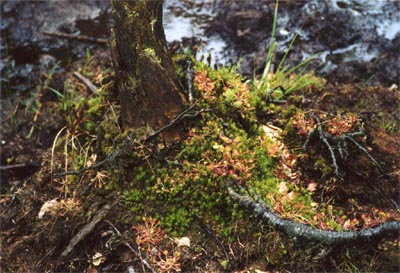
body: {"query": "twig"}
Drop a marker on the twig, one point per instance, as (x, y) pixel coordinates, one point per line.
(310, 133)
(88, 228)
(48, 253)
(368, 155)
(341, 142)
(176, 120)
(95, 166)
(142, 260)
(87, 82)
(323, 137)
(17, 166)
(382, 191)
(82, 38)
(120, 152)
(210, 233)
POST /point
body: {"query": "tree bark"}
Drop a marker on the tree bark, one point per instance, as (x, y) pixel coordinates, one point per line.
(146, 82)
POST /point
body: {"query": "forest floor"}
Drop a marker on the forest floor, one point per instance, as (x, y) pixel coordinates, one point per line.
(84, 222)
(34, 237)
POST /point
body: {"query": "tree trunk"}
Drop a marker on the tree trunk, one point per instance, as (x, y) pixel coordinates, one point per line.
(146, 82)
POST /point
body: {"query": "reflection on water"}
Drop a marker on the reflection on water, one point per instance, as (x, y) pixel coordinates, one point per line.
(355, 27)
(191, 18)
(342, 32)
(376, 13)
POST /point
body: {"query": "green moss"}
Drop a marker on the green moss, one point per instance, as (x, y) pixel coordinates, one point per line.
(226, 142)
(289, 111)
(179, 61)
(152, 55)
(324, 167)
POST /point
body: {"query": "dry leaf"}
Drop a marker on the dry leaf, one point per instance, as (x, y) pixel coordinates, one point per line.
(312, 186)
(282, 188)
(98, 259)
(51, 207)
(183, 241)
(291, 195)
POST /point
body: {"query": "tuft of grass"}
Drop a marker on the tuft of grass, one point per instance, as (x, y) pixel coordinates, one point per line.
(285, 77)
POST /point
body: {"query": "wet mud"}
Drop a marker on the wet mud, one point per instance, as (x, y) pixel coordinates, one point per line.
(27, 44)
(353, 41)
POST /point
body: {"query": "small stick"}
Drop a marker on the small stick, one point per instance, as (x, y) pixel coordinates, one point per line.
(87, 82)
(178, 118)
(143, 261)
(88, 228)
(16, 166)
(48, 253)
(82, 38)
(95, 166)
(368, 155)
(322, 136)
(210, 233)
(144, 139)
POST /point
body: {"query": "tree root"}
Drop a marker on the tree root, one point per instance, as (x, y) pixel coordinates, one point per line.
(298, 230)
(127, 146)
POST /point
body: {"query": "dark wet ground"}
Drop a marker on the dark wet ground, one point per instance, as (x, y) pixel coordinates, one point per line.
(358, 43)
(25, 47)
(355, 42)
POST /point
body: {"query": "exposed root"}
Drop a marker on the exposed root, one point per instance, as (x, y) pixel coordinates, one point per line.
(128, 144)
(299, 230)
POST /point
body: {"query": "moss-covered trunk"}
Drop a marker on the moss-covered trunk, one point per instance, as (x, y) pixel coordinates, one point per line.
(146, 81)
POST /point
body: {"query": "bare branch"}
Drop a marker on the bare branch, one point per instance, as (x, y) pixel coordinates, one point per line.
(294, 229)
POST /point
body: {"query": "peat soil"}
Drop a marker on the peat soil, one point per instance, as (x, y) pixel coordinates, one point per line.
(29, 125)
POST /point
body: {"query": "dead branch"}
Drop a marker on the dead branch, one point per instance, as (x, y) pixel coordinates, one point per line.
(211, 234)
(18, 166)
(88, 228)
(139, 253)
(323, 136)
(298, 230)
(361, 148)
(82, 38)
(185, 114)
(87, 82)
(95, 166)
(127, 146)
(340, 142)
